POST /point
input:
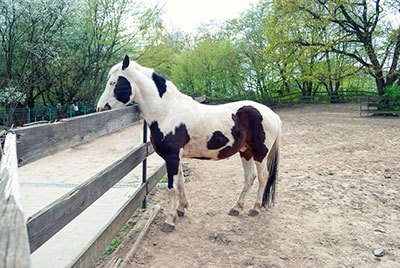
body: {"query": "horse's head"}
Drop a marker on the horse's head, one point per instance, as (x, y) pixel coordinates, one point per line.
(119, 90)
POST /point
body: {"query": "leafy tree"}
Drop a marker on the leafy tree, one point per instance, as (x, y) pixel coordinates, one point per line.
(249, 34)
(210, 68)
(60, 51)
(371, 41)
(29, 42)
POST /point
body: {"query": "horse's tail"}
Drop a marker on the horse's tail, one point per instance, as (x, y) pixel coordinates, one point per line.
(272, 162)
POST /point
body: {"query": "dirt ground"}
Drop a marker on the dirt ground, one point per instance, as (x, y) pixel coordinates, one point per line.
(337, 201)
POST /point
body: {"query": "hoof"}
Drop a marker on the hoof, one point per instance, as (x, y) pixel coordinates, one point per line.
(233, 212)
(167, 228)
(181, 213)
(253, 212)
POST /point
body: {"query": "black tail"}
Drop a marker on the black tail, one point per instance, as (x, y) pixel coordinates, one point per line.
(273, 162)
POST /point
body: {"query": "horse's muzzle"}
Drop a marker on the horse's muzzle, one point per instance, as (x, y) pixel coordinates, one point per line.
(105, 108)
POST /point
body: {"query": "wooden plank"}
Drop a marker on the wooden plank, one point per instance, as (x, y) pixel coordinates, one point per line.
(375, 105)
(47, 222)
(14, 246)
(99, 244)
(35, 142)
(121, 253)
(139, 238)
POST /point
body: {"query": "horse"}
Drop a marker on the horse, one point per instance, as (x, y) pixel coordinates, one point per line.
(180, 128)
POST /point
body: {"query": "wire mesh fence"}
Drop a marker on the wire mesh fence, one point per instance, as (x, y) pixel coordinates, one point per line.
(23, 116)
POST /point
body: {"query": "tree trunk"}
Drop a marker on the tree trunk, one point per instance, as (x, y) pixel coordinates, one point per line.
(380, 85)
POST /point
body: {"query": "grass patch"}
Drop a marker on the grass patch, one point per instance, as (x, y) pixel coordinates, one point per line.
(135, 215)
(112, 247)
(120, 236)
(164, 180)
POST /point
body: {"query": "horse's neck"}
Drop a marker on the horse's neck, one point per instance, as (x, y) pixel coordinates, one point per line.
(156, 108)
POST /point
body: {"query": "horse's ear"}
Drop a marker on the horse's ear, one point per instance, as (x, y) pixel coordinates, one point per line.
(125, 63)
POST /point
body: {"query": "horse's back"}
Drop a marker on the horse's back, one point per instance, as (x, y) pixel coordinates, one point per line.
(224, 128)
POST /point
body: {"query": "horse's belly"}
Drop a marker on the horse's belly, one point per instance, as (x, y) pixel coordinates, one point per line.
(199, 152)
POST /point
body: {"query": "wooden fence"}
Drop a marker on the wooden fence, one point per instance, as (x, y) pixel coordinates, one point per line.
(14, 247)
(318, 97)
(379, 105)
(298, 97)
(38, 141)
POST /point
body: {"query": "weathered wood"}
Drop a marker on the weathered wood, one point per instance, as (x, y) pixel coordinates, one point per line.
(14, 246)
(99, 244)
(380, 105)
(47, 222)
(139, 238)
(38, 141)
(155, 178)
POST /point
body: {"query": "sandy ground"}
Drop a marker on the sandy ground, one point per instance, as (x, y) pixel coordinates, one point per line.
(337, 200)
(47, 179)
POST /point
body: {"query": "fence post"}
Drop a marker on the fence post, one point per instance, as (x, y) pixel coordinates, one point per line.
(28, 116)
(49, 113)
(14, 243)
(144, 164)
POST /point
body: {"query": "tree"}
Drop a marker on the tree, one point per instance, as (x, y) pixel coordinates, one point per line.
(212, 67)
(29, 35)
(249, 34)
(59, 51)
(371, 41)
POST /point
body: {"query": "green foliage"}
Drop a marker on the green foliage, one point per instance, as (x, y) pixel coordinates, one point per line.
(393, 91)
(211, 68)
(11, 96)
(59, 51)
(164, 180)
(112, 246)
(119, 238)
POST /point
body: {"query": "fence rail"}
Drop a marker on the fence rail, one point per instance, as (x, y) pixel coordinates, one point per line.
(380, 105)
(299, 98)
(36, 142)
(318, 97)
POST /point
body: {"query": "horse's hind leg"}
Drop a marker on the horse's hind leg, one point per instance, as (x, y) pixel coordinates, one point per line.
(262, 175)
(249, 176)
(183, 203)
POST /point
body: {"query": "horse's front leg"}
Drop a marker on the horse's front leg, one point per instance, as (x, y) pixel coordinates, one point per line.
(173, 170)
(183, 203)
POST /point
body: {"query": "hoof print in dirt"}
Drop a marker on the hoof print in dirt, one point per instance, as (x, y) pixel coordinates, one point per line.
(167, 228)
(253, 212)
(181, 213)
(233, 212)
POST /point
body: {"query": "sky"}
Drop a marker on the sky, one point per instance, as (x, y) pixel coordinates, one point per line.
(187, 15)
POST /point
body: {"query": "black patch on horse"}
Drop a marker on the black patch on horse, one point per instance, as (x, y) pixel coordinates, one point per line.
(247, 131)
(238, 139)
(217, 140)
(251, 119)
(168, 147)
(161, 83)
(123, 90)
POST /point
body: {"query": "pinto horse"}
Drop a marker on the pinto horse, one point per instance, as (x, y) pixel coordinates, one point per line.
(181, 127)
